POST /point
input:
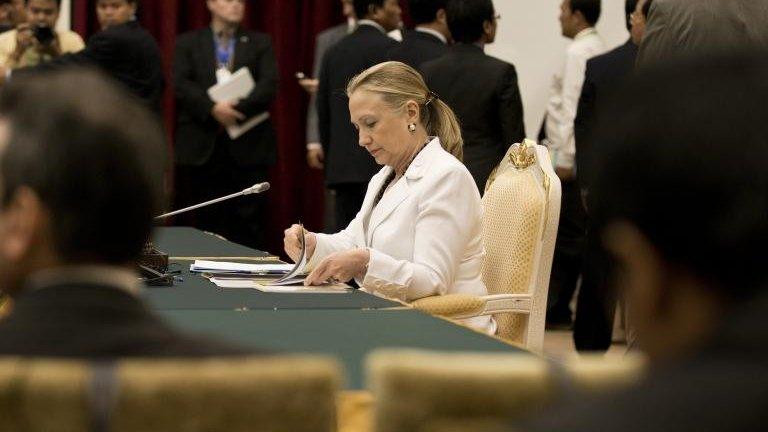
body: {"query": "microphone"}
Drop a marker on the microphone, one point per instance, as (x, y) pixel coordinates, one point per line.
(255, 189)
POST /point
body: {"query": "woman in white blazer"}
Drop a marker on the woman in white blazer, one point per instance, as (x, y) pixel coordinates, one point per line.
(419, 232)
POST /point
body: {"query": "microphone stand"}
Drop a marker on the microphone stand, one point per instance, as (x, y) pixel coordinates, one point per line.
(154, 263)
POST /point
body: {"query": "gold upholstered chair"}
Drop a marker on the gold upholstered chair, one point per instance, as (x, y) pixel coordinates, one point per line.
(280, 393)
(461, 391)
(521, 214)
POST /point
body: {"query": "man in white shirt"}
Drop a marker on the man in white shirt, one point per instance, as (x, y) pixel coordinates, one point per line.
(577, 21)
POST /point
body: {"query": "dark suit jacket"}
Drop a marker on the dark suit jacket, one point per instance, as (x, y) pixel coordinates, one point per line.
(194, 72)
(325, 40)
(721, 388)
(93, 321)
(603, 74)
(417, 48)
(483, 92)
(126, 52)
(345, 160)
(678, 28)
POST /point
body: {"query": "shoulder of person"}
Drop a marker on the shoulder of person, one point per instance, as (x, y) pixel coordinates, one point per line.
(8, 35)
(335, 32)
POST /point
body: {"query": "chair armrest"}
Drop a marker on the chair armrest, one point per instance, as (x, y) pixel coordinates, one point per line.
(461, 306)
(451, 305)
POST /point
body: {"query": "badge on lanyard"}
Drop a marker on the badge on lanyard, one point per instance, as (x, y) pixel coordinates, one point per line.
(224, 54)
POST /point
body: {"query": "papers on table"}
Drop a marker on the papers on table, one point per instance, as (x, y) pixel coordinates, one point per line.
(236, 268)
(236, 87)
(265, 286)
(281, 278)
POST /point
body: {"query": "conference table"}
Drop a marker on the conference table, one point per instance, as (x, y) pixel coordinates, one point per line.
(347, 326)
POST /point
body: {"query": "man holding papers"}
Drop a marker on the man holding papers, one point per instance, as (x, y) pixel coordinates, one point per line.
(223, 144)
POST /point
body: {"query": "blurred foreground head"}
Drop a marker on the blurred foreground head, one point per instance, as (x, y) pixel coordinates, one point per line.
(681, 194)
(80, 174)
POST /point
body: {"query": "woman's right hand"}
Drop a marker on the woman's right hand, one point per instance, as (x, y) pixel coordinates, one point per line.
(292, 242)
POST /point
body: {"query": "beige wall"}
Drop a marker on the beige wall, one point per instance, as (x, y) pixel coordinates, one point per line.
(529, 37)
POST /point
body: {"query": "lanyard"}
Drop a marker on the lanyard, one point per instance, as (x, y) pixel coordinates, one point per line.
(224, 53)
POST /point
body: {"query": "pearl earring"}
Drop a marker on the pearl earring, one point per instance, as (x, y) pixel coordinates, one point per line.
(412, 127)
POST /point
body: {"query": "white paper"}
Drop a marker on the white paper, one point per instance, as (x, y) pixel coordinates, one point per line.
(235, 267)
(292, 277)
(258, 285)
(235, 87)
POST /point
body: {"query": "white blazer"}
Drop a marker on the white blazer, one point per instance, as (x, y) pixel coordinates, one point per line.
(424, 236)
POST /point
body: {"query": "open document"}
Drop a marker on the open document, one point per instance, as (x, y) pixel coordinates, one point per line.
(297, 273)
(238, 86)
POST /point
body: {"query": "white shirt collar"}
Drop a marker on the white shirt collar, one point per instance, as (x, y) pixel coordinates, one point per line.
(111, 276)
(371, 23)
(434, 33)
(586, 32)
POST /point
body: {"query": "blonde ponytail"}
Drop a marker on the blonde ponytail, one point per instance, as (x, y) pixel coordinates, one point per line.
(399, 83)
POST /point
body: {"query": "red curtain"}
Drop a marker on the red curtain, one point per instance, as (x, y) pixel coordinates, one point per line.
(297, 191)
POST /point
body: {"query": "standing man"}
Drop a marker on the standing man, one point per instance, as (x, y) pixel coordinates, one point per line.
(429, 40)
(348, 167)
(577, 21)
(325, 40)
(36, 41)
(596, 302)
(12, 13)
(702, 28)
(122, 49)
(208, 162)
(482, 90)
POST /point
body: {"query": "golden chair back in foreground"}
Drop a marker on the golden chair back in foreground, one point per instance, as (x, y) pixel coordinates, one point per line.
(240, 394)
(414, 390)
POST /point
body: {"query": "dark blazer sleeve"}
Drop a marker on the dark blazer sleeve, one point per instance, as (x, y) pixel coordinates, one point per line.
(323, 102)
(266, 86)
(511, 109)
(585, 117)
(189, 93)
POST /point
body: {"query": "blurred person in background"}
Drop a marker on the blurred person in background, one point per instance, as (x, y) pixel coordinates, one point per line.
(123, 49)
(37, 40)
(430, 37)
(348, 168)
(12, 13)
(577, 23)
(481, 89)
(209, 163)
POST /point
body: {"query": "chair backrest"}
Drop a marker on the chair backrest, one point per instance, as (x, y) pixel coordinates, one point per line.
(265, 393)
(415, 388)
(522, 211)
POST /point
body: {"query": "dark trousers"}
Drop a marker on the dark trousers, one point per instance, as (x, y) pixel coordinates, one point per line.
(239, 219)
(596, 303)
(568, 257)
(349, 200)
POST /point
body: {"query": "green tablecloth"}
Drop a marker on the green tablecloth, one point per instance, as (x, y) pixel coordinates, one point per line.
(347, 334)
(348, 326)
(192, 291)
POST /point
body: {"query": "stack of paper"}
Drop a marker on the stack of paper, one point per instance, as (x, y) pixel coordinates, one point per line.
(235, 268)
(265, 286)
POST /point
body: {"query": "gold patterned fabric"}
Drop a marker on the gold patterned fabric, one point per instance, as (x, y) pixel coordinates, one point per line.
(514, 205)
(455, 305)
(281, 393)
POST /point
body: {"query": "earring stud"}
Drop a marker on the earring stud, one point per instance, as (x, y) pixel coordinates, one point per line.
(412, 127)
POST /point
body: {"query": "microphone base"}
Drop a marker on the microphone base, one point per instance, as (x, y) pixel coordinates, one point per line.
(153, 265)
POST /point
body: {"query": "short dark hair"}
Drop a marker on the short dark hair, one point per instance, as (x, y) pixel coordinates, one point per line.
(425, 11)
(647, 7)
(629, 9)
(466, 18)
(92, 153)
(363, 7)
(58, 2)
(589, 8)
(685, 163)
